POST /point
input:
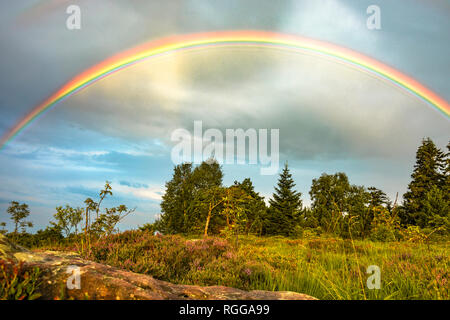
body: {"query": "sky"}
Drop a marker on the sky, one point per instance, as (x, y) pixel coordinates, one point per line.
(331, 118)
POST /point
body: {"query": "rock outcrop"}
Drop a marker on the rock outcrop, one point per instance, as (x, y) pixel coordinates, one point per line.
(99, 281)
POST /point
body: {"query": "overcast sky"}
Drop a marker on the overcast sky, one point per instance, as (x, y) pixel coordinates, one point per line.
(331, 118)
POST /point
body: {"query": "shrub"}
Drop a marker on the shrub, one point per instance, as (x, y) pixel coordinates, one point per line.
(164, 257)
(17, 283)
(385, 226)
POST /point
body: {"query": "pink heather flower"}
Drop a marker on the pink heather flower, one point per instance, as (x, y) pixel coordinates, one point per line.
(228, 255)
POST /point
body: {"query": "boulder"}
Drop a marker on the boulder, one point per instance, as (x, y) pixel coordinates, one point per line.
(99, 281)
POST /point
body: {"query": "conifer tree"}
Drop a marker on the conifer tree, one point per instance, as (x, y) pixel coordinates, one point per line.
(437, 210)
(285, 206)
(428, 173)
(446, 188)
(437, 202)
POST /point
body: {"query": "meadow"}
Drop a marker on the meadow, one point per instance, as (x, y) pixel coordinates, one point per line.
(323, 267)
(348, 241)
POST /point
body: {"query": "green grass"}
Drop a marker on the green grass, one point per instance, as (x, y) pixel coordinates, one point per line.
(326, 268)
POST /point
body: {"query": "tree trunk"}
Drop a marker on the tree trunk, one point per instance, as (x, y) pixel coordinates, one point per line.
(86, 231)
(207, 220)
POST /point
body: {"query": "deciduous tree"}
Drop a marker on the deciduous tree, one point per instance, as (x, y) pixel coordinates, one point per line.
(18, 213)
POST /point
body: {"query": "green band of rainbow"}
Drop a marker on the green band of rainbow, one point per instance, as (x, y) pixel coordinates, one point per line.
(199, 41)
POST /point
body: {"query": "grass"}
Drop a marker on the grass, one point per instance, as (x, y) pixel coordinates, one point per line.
(326, 268)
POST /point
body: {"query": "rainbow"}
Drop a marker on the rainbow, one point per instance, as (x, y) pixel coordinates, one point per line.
(200, 41)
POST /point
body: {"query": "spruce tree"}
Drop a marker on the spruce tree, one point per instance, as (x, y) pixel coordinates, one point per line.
(285, 206)
(437, 210)
(437, 202)
(428, 173)
(446, 183)
(378, 198)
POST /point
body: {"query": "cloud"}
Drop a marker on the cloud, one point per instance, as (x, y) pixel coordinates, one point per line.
(142, 192)
(330, 20)
(71, 153)
(82, 190)
(40, 158)
(334, 111)
(133, 184)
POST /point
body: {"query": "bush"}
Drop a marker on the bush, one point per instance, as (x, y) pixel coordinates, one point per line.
(47, 237)
(384, 227)
(17, 283)
(164, 257)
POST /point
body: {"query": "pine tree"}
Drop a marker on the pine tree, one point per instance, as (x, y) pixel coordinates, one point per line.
(437, 210)
(428, 173)
(378, 198)
(285, 206)
(437, 202)
(446, 183)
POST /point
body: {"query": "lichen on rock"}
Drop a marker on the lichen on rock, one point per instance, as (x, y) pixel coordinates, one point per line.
(13, 252)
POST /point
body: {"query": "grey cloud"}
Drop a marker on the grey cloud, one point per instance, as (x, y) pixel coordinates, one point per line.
(133, 184)
(323, 110)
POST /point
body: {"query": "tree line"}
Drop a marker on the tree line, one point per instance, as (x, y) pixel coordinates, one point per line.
(81, 224)
(197, 202)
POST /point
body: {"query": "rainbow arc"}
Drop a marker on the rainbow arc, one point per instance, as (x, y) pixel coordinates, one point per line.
(201, 41)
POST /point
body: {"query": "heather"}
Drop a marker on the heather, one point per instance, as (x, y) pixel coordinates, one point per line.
(323, 267)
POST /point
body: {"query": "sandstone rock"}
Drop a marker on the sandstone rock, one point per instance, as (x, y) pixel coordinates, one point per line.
(99, 281)
(14, 252)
